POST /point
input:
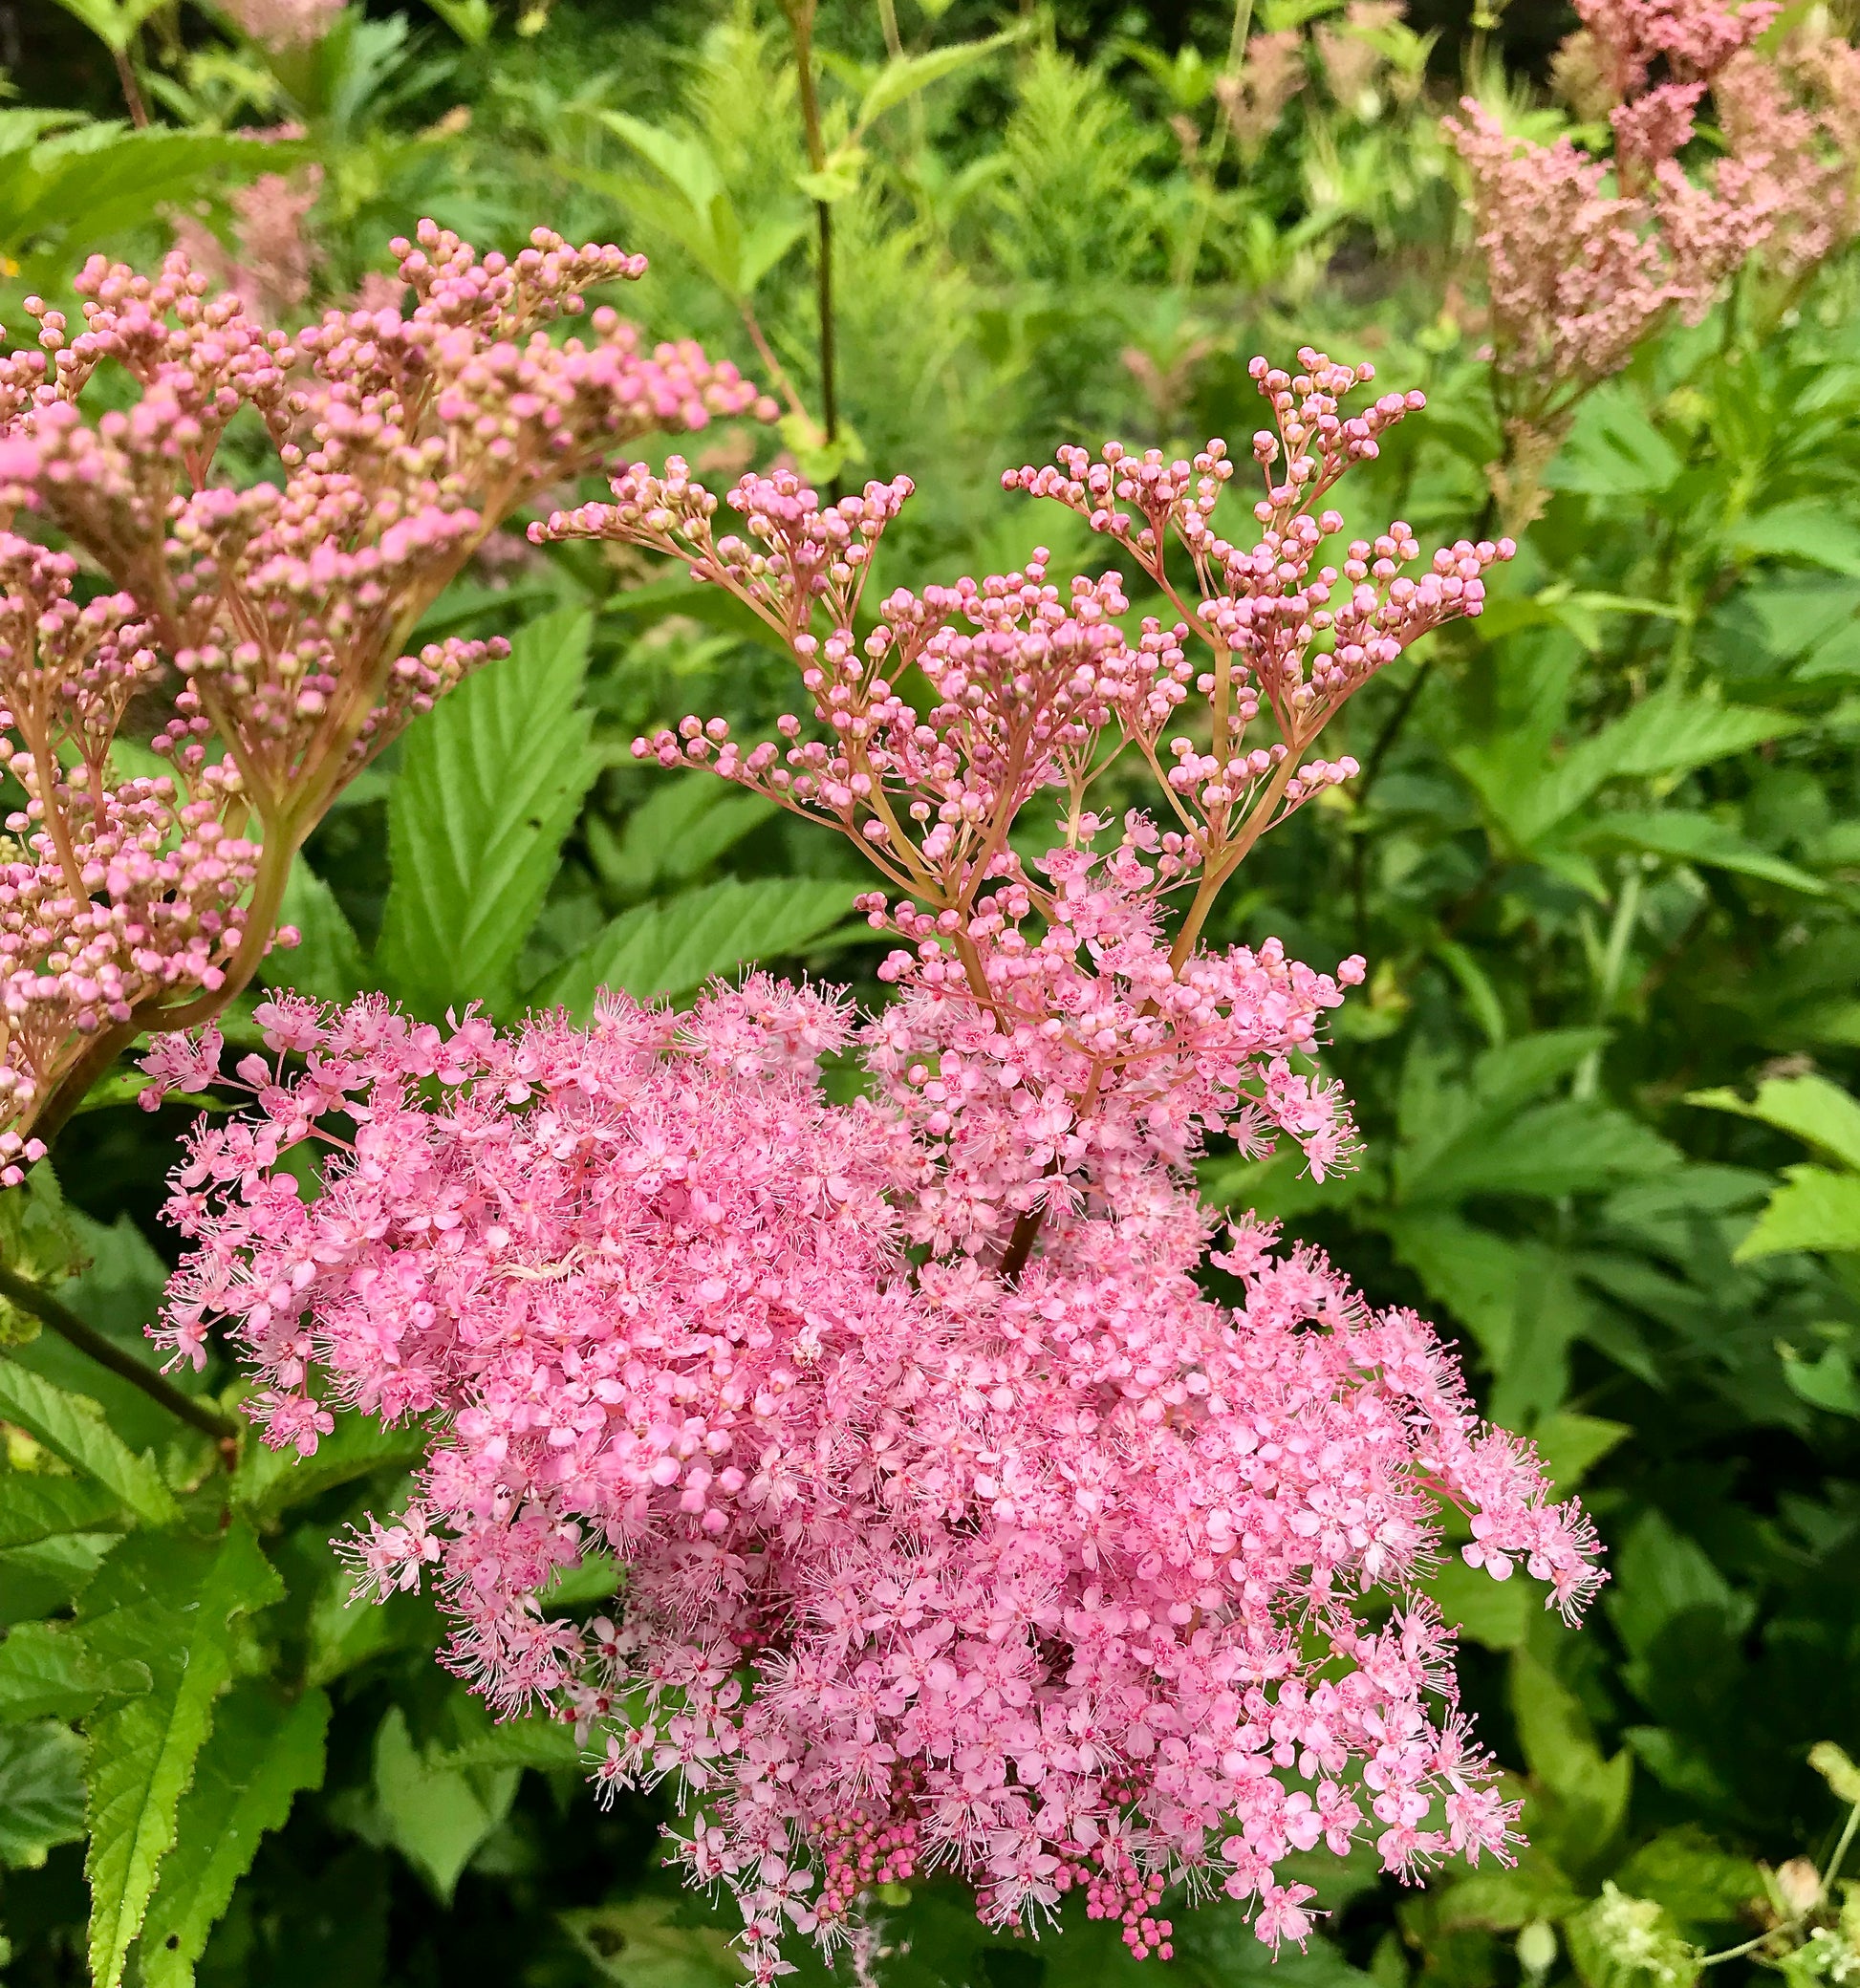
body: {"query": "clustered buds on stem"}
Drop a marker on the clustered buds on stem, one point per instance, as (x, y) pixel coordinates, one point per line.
(278, 619)
(962, 1528)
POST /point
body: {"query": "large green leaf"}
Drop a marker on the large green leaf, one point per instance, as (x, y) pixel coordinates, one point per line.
(72, 1426)
(1815, 1111)
(488, 789)
(436, 1817)
(93, 182)
(674, 946)
(50, 1671)
(262, 1752)
(178, 1607)
(1699, 838)
(1569, 1146)
(1814, 1209)
(34, 1507)
(1809, 530)
(41, 1792)
(1614, 450)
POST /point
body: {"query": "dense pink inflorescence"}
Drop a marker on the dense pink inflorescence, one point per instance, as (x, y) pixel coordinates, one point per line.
(1585, 254)
(283, 24)
(1079, 1582)
(962, 1528)
(284, 612)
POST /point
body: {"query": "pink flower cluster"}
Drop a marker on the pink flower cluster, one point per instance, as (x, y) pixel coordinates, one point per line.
(960, 1526)
(1584, 254)
(283, 26)
(287, 610)
(1075, 1582)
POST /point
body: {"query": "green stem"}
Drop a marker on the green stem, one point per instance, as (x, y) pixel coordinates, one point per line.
(1801, 1919)
(1615, 960)
(800, 22)
(106, 1352)
(1191, 255)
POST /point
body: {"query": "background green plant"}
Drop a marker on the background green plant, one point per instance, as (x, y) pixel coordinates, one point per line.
(1604, 859)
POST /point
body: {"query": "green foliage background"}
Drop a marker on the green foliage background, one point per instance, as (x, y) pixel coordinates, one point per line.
(1604, 859)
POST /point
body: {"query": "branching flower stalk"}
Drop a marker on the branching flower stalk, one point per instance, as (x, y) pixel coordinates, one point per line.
(962, 1529)
(278, 619)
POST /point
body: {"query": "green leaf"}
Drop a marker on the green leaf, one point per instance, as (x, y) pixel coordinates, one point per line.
(683, 826)
(1569, 1146)
(674, 946)
(100, 178)
(1695, 1878)
(41, 1792)
(144, 1751)
(326, 963)
(435, 1817)
(50, 1671)
(1614, 450)
(73, 1427)
(1469, 1269)
(114, 22)
(272, 1481)
(263, 1750)
(1700, 839)
(489, 786)
(536, 1741)
(1570, 1445)
(1827, 1383)
(1815, 1210)
(1674, 734)
(640, 1943)
(1589, 1793)
(1818, 1112)
(1496, 1614)
(904, 76)
(34, 1507)
(1806, 531)
(1660, 1576)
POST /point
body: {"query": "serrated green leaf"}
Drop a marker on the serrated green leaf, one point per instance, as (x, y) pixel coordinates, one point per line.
(672, 947)
(326, 963)
(271, 1480)
(263, 1751)
(1559, 1746)
(1818, 1112)
(41, 1792)
(904, 76)
(34, 1507)
(1614, 450)
(543, 1744)
(50, 1671)
(1815, 1209)
(1810, 531)
(1700, 839)
(73, 1427)
(143, 1750)
(1671, 734)
(683, 826)
(1571, 1146)
(489, 786)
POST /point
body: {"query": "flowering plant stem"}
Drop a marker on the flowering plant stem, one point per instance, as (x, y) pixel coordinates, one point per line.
(49, 1311)
(800, 22)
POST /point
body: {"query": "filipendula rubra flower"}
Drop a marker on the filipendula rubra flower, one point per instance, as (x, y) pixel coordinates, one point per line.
(962, 1528)
(1585, 254)
(281, 616)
